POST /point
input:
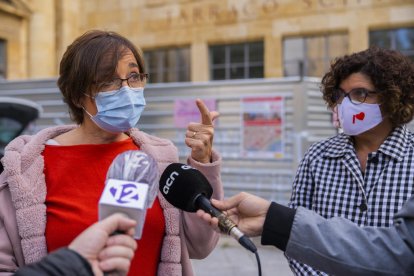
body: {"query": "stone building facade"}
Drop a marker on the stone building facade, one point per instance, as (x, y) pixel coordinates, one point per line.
(203, 40)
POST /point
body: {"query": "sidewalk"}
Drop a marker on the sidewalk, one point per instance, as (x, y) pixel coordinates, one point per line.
(230, 259)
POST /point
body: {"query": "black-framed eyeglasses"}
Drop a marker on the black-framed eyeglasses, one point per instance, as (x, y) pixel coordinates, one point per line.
(135, 80)
(356, 95)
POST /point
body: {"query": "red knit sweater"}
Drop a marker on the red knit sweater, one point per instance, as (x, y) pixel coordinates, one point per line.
(75, 177)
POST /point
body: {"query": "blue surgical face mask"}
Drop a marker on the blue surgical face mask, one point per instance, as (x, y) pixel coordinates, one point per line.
(118, 110)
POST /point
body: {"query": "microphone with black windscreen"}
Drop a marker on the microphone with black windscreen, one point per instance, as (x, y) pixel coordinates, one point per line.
(131, 187)
(188, 189)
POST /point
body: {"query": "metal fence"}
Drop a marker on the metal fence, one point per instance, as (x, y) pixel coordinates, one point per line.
(307, 120)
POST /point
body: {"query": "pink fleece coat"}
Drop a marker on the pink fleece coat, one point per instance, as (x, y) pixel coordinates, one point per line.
(23, 209)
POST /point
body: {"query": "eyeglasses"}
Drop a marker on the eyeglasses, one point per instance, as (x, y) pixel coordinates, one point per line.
(135, 80)
(356, 95)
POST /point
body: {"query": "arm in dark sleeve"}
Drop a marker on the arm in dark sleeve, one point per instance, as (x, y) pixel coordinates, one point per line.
(60, 263)
(277, 226)
(340, 247)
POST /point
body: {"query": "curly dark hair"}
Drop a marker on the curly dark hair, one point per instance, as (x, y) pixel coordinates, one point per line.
(91, 59)
(391, 73)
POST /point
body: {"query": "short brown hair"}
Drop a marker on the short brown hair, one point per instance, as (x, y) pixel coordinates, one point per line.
(91, 59)
(391, 73)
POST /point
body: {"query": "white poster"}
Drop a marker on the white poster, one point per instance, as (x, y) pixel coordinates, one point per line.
(262, 127)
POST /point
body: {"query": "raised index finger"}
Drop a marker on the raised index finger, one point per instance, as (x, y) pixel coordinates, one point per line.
(204, 112)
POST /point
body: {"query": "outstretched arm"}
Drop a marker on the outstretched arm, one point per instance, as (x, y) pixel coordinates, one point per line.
(338, 246)
(335, 245)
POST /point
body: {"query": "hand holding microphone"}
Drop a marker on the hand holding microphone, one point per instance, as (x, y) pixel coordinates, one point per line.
(246, 210)
(105, 252)
(188, 189)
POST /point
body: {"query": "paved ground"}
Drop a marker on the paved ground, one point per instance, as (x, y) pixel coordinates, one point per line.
(230, 259)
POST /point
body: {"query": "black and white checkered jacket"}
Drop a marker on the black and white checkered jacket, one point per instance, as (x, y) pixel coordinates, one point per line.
(330, 182)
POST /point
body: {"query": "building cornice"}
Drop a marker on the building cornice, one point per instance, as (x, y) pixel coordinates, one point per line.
(15, 7)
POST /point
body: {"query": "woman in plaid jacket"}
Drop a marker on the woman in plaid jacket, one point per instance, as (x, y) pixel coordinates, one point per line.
(366, 173)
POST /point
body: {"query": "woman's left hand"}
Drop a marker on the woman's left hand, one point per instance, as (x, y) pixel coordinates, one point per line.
(199, 136)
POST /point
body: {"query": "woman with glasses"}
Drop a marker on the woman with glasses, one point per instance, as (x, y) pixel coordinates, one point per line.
(366, 173)
(52, 181)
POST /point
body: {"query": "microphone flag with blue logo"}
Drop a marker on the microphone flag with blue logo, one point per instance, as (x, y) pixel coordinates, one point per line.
(131, 187)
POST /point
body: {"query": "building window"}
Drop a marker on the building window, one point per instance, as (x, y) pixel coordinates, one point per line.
(3, 59)
(236, 61)
(168, 65)
(401, 39)
(311, 56)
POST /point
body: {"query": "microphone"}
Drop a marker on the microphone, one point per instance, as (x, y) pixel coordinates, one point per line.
(131, 187)
(188, 189)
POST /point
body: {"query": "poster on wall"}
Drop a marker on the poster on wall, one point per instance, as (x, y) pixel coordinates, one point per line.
(262, 127)
(186, 111)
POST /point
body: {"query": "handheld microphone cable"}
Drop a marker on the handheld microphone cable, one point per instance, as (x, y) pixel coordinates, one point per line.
(228, 227)
(188, 189)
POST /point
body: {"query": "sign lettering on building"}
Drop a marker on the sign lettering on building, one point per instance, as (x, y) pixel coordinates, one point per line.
(204, 12)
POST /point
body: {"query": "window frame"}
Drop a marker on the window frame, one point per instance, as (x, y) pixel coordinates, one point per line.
(305, 62)
(392, 35)
(161, 71)
(3, 51)
(227, 66)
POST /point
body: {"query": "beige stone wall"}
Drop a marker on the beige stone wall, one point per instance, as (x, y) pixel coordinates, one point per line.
(198, 24)
(167, 23)
(42, 39)
(68, 18)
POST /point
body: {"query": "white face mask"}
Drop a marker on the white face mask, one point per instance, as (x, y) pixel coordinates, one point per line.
(358, 118)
